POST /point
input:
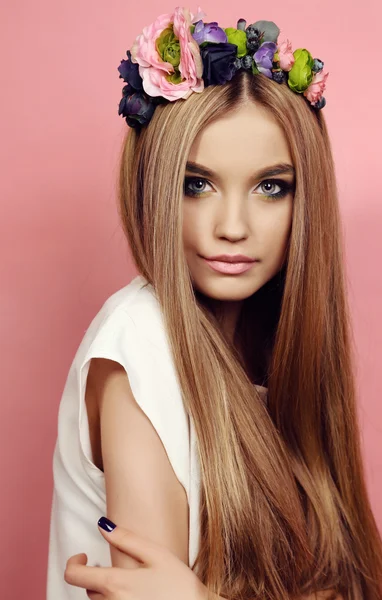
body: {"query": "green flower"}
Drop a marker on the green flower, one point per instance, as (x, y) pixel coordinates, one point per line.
(239, 38)
(168, 47)
(300, 76)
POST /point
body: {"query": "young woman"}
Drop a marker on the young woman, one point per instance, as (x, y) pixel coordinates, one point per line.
(211, 405)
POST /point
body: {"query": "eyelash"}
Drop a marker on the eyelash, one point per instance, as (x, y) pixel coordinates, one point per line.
(285, 186)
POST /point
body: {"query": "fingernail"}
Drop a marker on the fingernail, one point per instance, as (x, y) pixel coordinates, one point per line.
(106, 524)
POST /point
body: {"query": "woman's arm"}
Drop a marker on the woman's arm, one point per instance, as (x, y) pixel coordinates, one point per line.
(142, 491)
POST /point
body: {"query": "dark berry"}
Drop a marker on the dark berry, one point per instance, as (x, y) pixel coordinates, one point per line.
(237, 63)
(246, 61)
(320, 103)
(279, 76)
(318, 65)
(253, 38)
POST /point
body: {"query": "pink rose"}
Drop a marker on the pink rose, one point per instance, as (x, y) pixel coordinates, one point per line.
(286, 57)
(315, 90)
(153, 69)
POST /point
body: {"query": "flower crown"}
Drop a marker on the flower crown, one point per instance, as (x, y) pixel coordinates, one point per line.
(178, 55)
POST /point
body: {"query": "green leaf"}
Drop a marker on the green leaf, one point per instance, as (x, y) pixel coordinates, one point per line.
(239, 38)
(255, 70)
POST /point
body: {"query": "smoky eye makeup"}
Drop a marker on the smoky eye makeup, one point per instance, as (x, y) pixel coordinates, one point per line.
(191, 190)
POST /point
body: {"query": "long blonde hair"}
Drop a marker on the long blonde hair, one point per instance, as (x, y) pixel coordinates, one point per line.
(284, 506)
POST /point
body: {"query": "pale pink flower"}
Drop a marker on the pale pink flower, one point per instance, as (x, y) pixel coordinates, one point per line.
(316, 89)
(286, 55)
(153, 69)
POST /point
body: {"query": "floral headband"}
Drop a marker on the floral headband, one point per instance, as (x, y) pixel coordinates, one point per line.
(178, 55)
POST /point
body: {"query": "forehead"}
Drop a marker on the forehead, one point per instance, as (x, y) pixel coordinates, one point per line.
(241, 142)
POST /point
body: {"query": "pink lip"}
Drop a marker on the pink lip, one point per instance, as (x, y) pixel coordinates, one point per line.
(231, 258)
(230, 268)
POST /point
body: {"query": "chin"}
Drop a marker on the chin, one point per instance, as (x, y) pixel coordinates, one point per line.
(227, 287)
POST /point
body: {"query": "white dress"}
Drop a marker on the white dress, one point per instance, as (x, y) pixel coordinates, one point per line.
(128, 329)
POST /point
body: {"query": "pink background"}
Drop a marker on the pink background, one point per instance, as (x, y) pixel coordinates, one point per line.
(63, 252)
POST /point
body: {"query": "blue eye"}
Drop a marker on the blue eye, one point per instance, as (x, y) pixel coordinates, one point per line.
(191, 181)
(285, 187)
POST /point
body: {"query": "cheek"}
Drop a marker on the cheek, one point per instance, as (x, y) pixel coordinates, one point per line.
(192, 226)
(277, 232)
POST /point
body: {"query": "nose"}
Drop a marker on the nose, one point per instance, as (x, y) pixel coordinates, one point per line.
(232, 219)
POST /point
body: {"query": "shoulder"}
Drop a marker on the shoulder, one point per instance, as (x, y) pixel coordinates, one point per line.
(135, 303)
(125, 351)
(130, 315)
(133, 300)
(129, 329)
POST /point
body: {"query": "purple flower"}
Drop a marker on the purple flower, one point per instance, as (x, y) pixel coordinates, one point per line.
(264, 58)
(135, 105)
(208, 32)
(129, 72)
(137, 108)
(219, 63)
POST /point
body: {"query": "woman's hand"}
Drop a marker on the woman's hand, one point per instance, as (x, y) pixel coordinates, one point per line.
(161, 575)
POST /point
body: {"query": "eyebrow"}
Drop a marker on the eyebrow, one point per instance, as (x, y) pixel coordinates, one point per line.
(279, 169)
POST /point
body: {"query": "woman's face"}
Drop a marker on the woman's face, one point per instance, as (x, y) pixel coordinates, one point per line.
(237, 210)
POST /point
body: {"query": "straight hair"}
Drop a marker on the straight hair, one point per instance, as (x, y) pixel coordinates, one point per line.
(284, 506)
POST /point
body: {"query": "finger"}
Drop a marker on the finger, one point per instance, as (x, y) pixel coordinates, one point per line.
(77, 559)
(94, 579)
(137, 546)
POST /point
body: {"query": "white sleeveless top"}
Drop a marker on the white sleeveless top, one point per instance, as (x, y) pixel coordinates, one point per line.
(128, 329)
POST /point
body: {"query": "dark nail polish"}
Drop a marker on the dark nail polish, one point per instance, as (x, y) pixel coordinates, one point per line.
(106, 524)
